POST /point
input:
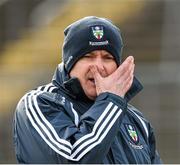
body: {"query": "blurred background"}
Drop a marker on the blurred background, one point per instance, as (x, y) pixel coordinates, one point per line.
(31, 37)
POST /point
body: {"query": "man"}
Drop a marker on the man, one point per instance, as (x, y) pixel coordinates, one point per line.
(83, 116)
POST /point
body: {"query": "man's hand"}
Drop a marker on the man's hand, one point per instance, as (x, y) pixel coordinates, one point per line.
(118, 82)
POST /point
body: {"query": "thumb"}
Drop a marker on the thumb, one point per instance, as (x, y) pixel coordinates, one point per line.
(96, 74)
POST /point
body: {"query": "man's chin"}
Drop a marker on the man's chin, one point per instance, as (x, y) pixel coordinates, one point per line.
(91, 95)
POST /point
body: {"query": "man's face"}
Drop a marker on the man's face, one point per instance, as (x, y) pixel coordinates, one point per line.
(105, 63)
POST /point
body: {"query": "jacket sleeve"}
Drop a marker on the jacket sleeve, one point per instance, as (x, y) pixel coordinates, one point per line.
(38, 139)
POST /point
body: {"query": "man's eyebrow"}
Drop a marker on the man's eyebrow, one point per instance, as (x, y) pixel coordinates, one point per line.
(91, 53)
(108, 54)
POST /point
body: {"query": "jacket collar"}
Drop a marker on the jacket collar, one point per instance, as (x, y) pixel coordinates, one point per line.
(73, 87)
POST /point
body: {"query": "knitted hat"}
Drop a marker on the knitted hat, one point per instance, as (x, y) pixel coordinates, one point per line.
(89, 34)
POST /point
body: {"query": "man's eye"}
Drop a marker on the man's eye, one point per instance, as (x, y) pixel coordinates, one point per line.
(87, 56)
(109, 57)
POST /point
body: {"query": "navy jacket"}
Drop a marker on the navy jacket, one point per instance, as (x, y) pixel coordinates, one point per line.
(57, 123)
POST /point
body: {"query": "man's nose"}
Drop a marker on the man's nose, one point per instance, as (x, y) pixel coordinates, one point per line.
(100, 65)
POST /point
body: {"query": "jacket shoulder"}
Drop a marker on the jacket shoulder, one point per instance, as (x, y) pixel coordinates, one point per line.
(139, 117)
(134, 110)
(49, 89)
(36, 118)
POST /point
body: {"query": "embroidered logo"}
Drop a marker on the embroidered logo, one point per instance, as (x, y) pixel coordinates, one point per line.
(98, 31)
(132, 133)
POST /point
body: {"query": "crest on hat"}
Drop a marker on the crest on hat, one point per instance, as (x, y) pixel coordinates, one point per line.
(98, 32)
(132, 133)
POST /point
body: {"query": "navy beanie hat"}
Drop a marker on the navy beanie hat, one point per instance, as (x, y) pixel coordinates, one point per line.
(89, 34)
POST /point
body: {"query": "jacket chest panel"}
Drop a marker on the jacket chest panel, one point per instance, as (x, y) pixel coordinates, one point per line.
(130, 146)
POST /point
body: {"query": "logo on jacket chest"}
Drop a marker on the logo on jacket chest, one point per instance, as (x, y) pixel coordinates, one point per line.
(133, 136)
(132, 133)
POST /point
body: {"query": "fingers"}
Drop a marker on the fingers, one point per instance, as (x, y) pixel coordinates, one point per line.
(128, 82)
(129, 72)
(96, 74)
(97, 78)
(124, 67)
(128, 61)
(124, 75)
(127, 64)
